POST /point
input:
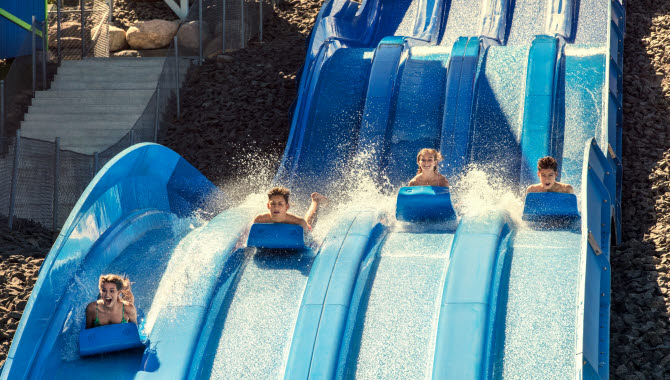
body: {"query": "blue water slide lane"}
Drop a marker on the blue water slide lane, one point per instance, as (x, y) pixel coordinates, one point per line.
(333, 119)
(459, 91)
(540, 121)
(320, 326)
(136, 192)
(594, 300)
(465, 334)
(179, 323)
(346, 24)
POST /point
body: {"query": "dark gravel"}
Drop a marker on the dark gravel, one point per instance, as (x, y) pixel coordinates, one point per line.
(235, 112)
(640, 343)
(22, 251)
(128, 12)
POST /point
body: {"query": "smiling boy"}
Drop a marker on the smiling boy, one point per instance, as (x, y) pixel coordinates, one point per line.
(278, 205)
(547, 170)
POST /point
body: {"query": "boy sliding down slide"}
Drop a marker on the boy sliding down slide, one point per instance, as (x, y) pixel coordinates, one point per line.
(547, 169)
(278, 205)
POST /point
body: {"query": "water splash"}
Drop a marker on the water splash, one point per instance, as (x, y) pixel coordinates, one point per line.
(478, 191)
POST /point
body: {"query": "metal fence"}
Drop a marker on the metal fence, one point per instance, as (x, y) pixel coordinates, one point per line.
(69, 40)
(43, 182)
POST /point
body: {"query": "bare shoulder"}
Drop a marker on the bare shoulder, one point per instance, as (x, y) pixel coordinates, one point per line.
(414, 181)
(91, 307)
(536, 188)
(293, 219)
(262, 218)
(565, 188)
(130, 307)
(444, 182)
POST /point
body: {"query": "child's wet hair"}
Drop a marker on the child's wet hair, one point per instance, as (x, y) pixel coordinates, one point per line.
(122, 286)
(434, 152)
(547, 163)
(279, 190)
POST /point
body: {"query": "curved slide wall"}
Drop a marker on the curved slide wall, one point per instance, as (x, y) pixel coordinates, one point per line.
(487, 298)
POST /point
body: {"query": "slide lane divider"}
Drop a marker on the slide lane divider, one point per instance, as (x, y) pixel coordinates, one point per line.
(323, 313)
(458, 99)
(540, 134)
(465, 338)
(592, 351)
(377, 112)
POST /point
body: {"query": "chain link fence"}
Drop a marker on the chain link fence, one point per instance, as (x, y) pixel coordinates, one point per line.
(68, 40)
(45, 180)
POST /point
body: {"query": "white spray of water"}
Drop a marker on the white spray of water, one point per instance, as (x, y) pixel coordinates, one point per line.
(477, 192)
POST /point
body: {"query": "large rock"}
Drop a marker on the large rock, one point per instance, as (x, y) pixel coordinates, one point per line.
(126, 53)
(154, 34)
(189, 34)
(68, 29)
(117, 38)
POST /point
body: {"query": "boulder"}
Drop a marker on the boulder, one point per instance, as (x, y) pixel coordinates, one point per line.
(189, 34)
(117, 38)
(126, 53)
(153, 34)
(68, 29)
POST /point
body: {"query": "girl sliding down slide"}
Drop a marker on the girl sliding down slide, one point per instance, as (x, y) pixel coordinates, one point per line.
(428, 175)
(115, 304)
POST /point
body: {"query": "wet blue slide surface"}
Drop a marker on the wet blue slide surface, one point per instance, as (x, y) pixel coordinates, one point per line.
(501, 292)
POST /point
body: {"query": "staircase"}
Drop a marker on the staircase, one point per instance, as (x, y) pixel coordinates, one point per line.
(93, 103)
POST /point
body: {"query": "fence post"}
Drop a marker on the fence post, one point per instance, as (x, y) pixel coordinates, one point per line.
(34, 53)
(56, 184)
(176, 64)
(260, 22)
(2, 115)
(223, 27)
(83, 28)
(15, 177)
(96, 163)
(199, 32)
(44, 55)
(58, 5)
(156, 115)
(242, 39)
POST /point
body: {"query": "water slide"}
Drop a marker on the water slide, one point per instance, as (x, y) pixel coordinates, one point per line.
(494, 87)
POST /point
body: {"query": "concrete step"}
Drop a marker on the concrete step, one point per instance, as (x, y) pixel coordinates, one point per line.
(77, 136)
(106, 85)
(107, 76)
(90, 147)
(74, 126)
(153, 61)
(80, 108)
(92, 96)
(130, 117)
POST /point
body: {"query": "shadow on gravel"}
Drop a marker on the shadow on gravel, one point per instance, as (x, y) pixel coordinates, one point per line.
(640, 343)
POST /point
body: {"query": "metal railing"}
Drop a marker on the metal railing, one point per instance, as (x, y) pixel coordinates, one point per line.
(46, 181)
